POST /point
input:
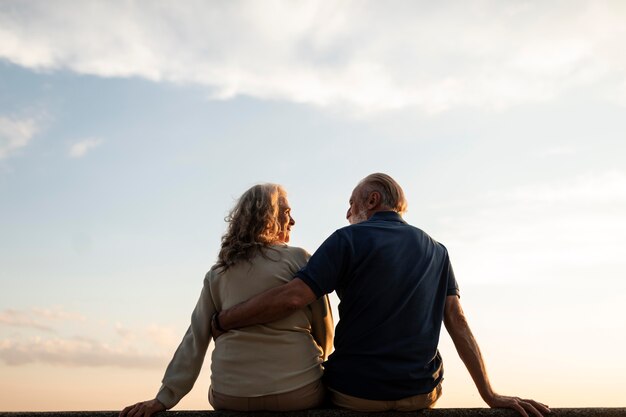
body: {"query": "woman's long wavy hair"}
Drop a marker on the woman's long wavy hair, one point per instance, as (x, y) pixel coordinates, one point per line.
(252, 225)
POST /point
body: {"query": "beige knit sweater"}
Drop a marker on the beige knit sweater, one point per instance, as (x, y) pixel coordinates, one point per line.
(258, 360)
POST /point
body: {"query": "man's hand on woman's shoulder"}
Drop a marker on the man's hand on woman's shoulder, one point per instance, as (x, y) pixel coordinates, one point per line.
(143, 409)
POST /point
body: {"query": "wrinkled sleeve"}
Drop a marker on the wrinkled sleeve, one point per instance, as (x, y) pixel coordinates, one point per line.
(322, 326)
(185, 366)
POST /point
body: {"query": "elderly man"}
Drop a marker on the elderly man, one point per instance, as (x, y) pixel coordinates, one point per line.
(396, 287)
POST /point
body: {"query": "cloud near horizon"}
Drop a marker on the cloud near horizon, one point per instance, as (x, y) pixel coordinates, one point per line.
(37, 318)
(365, 56)
(75, 352)
(159, 336)
(145, 346)
(525, 235)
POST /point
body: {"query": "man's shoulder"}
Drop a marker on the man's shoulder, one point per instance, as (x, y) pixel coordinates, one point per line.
(374, 227)
(355, 231)
(427, 239)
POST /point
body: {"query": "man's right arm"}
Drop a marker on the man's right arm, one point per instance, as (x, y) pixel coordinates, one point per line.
(468, 350)
(271, 305)
(320, 276)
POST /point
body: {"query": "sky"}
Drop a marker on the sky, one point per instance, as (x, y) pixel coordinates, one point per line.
(129, 128)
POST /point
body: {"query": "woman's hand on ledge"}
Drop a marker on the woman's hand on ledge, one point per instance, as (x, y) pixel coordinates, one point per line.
(527, 408)
(143, 409)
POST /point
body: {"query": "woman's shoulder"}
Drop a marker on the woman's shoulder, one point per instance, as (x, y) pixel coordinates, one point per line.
(213, 273)
(271, 256)
(297, 253)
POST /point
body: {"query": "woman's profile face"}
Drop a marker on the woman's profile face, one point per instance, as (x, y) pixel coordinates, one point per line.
(284, 220)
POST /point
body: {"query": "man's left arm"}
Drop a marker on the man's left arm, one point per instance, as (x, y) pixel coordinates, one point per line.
(468, 350)
(271, 305)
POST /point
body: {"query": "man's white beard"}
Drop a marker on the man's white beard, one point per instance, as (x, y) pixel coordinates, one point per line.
(361, 216)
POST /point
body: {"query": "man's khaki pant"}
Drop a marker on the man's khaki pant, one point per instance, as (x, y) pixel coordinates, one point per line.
(417, 402)
(309, 396)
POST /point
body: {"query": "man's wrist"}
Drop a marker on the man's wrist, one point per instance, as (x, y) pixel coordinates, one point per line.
(217, 324)
(488, 395)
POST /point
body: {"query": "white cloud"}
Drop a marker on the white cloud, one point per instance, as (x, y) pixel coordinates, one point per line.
(164, 337)
(74, 352)
(574, 229)
(37, 318)
(368, 56)
(557, 151)
(15, 134)
(64, 339)
(607, 189)
(80, 149)
(16, 318)
(57, 314)
(159, 336)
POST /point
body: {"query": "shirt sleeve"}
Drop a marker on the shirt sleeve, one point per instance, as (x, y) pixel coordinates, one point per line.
(185, 366)
(326, 265)
(453, 287)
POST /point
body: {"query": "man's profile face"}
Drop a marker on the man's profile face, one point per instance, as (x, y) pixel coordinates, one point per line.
(357, 212)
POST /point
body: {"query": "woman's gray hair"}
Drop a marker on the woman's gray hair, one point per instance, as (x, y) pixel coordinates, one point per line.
(253, 224)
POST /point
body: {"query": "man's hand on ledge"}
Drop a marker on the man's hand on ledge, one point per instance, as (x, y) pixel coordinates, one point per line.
(143, 409)
(527, 408)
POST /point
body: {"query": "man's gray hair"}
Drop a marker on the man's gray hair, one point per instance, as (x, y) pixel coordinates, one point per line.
(391, 194)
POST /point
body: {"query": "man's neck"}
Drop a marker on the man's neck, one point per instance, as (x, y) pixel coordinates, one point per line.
(370, 213)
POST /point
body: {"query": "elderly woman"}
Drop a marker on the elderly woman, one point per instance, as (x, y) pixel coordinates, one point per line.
(272, 367)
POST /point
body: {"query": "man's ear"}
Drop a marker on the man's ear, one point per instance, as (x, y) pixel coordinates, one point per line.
(373, 200)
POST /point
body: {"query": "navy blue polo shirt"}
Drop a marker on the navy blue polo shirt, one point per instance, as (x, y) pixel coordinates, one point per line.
(392, 280)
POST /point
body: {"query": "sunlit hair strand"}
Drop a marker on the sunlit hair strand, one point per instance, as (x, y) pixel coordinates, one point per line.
(252, 225)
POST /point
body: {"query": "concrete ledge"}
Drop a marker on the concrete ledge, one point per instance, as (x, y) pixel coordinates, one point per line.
(437, 412)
